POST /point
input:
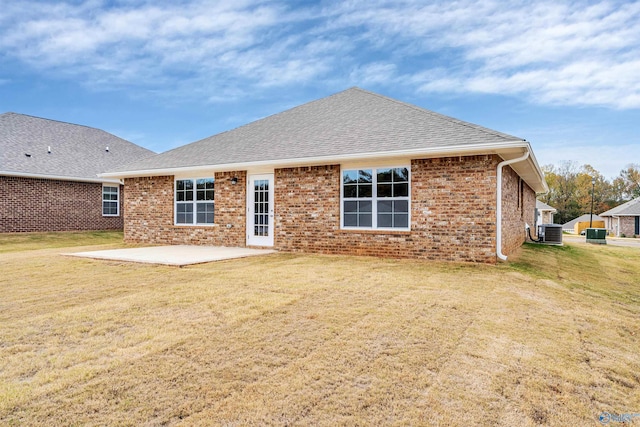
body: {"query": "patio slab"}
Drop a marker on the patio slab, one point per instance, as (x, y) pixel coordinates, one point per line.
(178, 255)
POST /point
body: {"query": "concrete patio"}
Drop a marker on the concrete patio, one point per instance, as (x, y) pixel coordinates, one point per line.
(178, 255)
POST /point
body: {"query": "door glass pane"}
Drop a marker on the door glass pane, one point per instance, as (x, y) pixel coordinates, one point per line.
(261, 207)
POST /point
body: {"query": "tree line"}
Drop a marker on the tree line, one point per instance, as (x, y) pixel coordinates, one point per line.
(570, 188)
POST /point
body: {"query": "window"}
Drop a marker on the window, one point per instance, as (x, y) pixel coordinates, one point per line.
(194, 201)
(110, 202)
(375, 198)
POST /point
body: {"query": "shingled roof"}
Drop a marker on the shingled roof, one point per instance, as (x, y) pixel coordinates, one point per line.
(347, 125)
(37, 147)
(631, 208)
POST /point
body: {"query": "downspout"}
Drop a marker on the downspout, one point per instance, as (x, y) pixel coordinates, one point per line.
(502, 164)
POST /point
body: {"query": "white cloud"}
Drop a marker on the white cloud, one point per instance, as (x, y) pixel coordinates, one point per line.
(570, 53)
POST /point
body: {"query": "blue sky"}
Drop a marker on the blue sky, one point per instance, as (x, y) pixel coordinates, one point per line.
(564, 75)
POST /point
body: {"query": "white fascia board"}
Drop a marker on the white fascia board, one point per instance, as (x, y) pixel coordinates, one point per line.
(515, 146)
(62, 178)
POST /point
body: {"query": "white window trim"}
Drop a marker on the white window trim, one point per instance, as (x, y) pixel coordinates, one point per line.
(194, 202)
(374, 199)
(117, 187)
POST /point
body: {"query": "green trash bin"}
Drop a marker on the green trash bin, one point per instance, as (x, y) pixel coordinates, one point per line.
(597, 236)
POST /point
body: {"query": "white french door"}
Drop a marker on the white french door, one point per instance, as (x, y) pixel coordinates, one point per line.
(260, 210)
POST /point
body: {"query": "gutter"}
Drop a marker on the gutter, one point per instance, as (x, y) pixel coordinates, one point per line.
(61, 177)
(502, 164)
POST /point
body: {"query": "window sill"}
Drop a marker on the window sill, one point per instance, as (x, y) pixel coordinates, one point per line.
(374, 231)
(195, 225)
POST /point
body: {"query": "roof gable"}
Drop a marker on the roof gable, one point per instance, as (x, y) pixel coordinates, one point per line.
(43, 147)
(347, 123)
(351, 125)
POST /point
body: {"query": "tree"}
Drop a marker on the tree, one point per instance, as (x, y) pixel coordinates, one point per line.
(570, 191)
(630, 178)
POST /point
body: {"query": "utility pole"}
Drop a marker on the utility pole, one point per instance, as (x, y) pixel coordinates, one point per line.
(593, 186)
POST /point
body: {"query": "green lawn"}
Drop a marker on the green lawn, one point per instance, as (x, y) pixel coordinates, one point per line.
(550, 338)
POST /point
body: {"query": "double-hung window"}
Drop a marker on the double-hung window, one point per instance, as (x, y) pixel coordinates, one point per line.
(194, 201)
(110, 200)
(376, 198)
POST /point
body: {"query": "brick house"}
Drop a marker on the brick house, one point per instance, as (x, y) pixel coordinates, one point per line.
(354, 173)
(624, 220)
(49, 175)
(545, 213)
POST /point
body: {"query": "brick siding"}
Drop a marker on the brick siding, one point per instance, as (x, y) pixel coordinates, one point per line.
(452, 213)
(150, 213)
(30, 204)
(518, 208)
(627, 225)
(453, 208)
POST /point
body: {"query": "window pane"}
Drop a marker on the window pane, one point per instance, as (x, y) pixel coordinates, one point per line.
(350, 220)
(204, 213)
(384, 175)
(350, 191)
(384, 190)
(400, 175)
(400, 190)
(386, 206)
(349, 177)
(384, 220)
(364, 206)
(401, 206)
(401, 220)
(364, 190)
(364, 220)
(364, 176)
(350, 207)
(184, 213)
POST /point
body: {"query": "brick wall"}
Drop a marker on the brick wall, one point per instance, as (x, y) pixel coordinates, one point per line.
(29, 204)
(453, 208)
(627, 225)
(452, 212)
(150, 212)
(518, 208)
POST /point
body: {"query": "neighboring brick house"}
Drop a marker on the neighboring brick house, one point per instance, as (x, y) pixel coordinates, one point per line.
(624, 220)
(49, 175)
(545, 213)
(354, 173)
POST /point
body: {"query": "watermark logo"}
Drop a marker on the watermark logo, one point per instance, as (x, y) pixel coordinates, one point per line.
(607, 417)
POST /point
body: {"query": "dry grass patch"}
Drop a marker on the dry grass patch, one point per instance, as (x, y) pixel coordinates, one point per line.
(551, 339)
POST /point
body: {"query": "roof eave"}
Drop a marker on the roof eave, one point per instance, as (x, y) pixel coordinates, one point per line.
(105, 180)
(506, 150)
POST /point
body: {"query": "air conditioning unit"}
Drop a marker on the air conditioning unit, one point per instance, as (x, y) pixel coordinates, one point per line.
(550, 234)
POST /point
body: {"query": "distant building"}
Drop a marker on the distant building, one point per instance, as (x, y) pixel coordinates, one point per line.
(545, 213)
(624, 219)
(49, 175)
(576, 225)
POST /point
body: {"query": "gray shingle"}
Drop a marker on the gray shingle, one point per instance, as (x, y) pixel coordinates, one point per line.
(76, 151)
(350, 122)
(630, 208)
(541, 206)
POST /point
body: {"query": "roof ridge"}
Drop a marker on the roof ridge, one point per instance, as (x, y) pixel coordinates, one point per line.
(57, 121)
(261, 119)
(442, 116)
